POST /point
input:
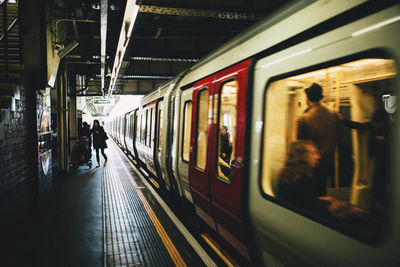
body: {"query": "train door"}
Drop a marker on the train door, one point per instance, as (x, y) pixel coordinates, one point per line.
(150, 140)
(157, 136)
(126, 135)
(227, 154)
(184, 141)
(199, 167)
(216, 166)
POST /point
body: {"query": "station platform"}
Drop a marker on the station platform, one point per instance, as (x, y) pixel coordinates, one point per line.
(109, 216)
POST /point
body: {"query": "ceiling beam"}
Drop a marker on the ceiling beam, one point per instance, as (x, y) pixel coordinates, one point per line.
(190, 12)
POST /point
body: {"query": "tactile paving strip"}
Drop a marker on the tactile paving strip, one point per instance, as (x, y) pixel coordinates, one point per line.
(139, 228)
(120, 244)
(130, 236)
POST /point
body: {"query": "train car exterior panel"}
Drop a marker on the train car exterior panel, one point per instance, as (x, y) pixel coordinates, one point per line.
(284, 24)
(355, 58)
(289, 235)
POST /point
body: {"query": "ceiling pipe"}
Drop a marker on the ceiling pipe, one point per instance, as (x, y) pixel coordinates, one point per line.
(103, 36)
(71, 20)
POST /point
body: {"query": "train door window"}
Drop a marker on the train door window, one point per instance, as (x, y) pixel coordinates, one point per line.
(153, 126)
(143, 132)
(227, 129)
(186, 126)
(326, 144)
(131, 118)
(138, 120)
(148, 128)
(202, 129)
(160, 136)
(127, 123)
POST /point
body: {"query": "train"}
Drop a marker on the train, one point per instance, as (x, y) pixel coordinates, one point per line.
(252, 90)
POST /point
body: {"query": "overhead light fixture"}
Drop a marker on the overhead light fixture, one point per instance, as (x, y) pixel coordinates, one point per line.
(135, 11)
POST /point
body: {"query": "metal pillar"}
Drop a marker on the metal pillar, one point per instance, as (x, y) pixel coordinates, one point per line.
(62, 117)
(73, 121)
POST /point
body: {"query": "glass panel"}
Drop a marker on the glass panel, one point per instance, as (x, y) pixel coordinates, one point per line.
(202, 129)
(137, 128)
(143, 133)
(227, 132)
(148, 129)
(153, 126)
(326, 141)
(160, 139)
(187, 122)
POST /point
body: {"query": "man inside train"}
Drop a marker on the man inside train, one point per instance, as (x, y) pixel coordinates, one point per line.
(226, 146)
(320, 125)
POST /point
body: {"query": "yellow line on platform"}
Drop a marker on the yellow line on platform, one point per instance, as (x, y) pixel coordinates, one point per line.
(222, 256)
(173, 252)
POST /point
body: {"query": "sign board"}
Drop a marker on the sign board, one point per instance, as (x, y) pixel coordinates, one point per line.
(101, 101)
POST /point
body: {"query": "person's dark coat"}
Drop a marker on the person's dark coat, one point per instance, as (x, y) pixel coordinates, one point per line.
(321, 126)
(226, 148)
(99, 137)
(297, 184)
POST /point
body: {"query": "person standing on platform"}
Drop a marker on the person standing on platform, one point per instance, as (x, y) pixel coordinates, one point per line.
(320, 125)
(99, 141)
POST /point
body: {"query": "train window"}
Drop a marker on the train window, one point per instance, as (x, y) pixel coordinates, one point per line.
(325, 144)
(227, 129)
(186, 126)
(131, 118)
(160, 136)
(153, 126)
(138, 120)
(127, 128)
(148, 130)
(202, 129)
(143, 131)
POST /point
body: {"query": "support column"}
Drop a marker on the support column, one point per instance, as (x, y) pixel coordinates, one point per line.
(62, 117)
(73, 121)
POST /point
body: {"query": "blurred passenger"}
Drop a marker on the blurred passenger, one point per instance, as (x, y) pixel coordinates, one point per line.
(378, 134)
(297, 182)
(298, 185)
(321, 126)
(224, 169)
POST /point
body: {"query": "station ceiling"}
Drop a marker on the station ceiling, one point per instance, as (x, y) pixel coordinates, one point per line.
(168, 36)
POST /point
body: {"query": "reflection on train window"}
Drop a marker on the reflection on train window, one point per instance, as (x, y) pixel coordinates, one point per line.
(202, 129)
(160, 139)
(227, 129)
(187, 122)
(326, 139)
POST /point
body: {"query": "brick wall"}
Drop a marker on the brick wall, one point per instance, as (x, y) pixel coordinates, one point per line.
(19, 185)
(14, 179)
